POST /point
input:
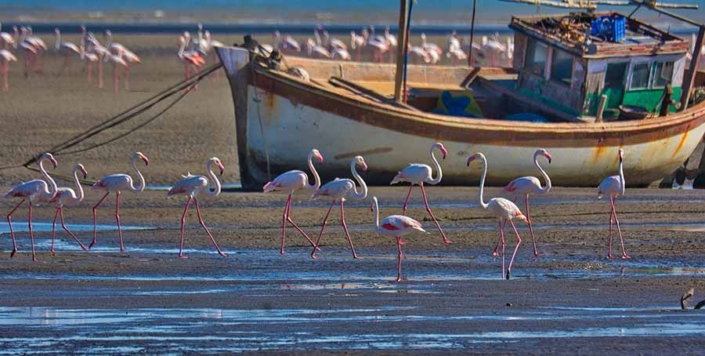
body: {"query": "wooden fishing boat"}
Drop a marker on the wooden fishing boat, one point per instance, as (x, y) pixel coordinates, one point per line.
(563, 93)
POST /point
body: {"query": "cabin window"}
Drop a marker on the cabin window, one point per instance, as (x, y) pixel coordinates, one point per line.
(536, 55)
(663, 73)
(561, 67)
(640, 76)
(614, 77)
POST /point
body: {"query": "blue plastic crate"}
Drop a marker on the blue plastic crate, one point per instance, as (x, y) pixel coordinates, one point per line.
(611, 28)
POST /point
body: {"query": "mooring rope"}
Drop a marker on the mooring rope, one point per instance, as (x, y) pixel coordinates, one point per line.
(62, 149)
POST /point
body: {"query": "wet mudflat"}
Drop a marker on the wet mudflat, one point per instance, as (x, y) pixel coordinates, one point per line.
(569, 300)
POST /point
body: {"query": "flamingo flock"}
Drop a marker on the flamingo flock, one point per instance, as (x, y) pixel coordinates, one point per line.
(45, 191)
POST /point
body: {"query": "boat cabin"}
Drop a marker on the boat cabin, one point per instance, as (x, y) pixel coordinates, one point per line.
(568, 62)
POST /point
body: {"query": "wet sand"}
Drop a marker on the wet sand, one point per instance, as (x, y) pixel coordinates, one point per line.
(570, 300)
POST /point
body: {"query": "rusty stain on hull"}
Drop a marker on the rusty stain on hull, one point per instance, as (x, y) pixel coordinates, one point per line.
(373, 151)
(680, 144)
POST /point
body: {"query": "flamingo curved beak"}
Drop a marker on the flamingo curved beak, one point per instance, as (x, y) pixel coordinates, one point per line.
(320, 158)
(85, 173)
(222, 169)
(54, 162)
(470, 159)
(549, 157)
(444, 151)
(364, 166)
(146, 160)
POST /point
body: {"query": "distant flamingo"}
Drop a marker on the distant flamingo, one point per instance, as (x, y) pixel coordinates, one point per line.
(613, 186)
(67, 196)
(33, 190)
(90, 58)
(117, 183)
(503, 209)
(6, 38)
(6, 57)
(287, 45)
(357, 43)
(28, 50)
(340, 54)
(68, 50)
(430, 46)
(337, 189)
(294, 180)
(39, 45)
(116, 60)
(316, 51)
(397, 226)
(378, 45)
(131, 59)
(188, 58)
(192, 185)
(417, 173)
(525, 186)
(333, 43)
(98, 53)
(418, 55)
(391, 42)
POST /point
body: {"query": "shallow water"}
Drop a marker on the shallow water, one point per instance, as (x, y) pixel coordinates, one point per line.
(236, 330)
(38, 226)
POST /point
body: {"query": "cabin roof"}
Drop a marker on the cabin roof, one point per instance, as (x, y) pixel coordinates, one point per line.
(569, 31)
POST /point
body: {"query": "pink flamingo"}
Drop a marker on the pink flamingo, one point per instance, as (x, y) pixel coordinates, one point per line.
(417, 173)
(357, 43)
(294, 180)
(188, 58)
(316, 51)
(33, 190)
(287, 45)
(340, 54)
(116, 59)
(67, 196)
(525, 186)
(418, 55)
(131, 59)
(397, 226)
(192, 185)
(116, 183)
(378, 45)
(391, 42)
(6, 57)
(337, 189)
(503, 209)
(613, 186)
(68, 50)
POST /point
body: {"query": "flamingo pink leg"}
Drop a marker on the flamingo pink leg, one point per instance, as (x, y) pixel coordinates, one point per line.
(406, 201)
(95, 212)
(325, 221)
(183, 222)
(53, 231)
(117, 218)
(509, 269)
(12, 233)
(428, 209)
(100, 74)
(345, 227)
(127, 77)
(5, 85)
(609, 239)
(501, 241)
(200, 220)
(63, 225)
(287, 217)
(31, 232)
(619, 230)
(531, 229)
(399, 257)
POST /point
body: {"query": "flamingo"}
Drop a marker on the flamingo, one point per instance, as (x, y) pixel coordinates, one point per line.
(32, 190)
(287, 45)
(391, 42)
(397, 226)
(456, 55)
(116, 59)
(337, 189)
(67, 196)
(418, 55)
(493, 48)
(97, 53)
(6, 57)
(316, 51)
(117, 183)
(417, 173)
(503, 209)
(333, 43)
(525, 186)
(357, 43)
(29, 51)
(68, 49)
(191, 186)
(613, 186)
(340, 54)
(188, 58)
(378, 45)
(294, 180)
(38, 44)
(6, 38)
(130, 58)
(430, 47)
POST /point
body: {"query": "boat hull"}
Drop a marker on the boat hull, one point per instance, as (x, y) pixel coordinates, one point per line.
(279, 120)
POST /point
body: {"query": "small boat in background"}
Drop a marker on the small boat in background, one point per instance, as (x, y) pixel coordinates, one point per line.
(573, 77)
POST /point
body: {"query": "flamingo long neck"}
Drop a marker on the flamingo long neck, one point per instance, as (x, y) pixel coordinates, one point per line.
(57, 40)
(214, 179)
(482, 181)
(181, 49)
(363, 192)
(141, 186)
(376, 213)
(547, 187)
(621, 176)
(48, 194)
(109, 41)
(79, 188)
(437, 166)
(316, 177)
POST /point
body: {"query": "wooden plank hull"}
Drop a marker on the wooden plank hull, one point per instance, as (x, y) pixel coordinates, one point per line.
(280, 118)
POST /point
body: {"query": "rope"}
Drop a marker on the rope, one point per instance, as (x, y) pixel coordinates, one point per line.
(124, 117)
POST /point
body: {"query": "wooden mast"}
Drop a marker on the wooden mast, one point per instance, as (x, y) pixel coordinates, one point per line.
(401, 50)
(692, 70)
